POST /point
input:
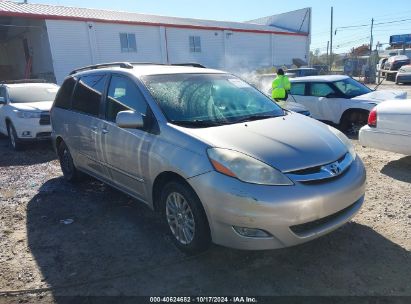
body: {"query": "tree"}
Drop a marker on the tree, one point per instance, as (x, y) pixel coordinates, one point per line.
(361, 50)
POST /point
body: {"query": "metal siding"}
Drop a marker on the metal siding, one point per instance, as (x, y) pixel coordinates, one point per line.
(288, 48)
(147, 39)
(247, 51)
(70, 46)
(212, 47)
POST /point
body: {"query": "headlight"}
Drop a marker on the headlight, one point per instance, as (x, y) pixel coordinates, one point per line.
(345, 140)
(246, 168)
(27, 114)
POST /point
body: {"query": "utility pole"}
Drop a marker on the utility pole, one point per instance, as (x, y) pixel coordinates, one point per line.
(331, 37)
(371, 37)
(372, 59)
(328, 48)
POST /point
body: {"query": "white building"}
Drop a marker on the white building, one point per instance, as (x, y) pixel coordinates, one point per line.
(47, 41)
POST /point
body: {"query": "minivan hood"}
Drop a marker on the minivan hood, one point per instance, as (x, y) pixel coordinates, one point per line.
(380, 96)
(295, 107)
(33, 106)
(288, 143)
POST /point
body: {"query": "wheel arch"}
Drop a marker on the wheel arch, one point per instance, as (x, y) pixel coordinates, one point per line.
(160, 181)
(350, 111)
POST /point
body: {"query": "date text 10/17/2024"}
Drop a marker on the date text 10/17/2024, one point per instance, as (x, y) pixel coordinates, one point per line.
(203, 300)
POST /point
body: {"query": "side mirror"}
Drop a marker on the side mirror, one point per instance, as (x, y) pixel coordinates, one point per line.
(2, 100)
(129, 120)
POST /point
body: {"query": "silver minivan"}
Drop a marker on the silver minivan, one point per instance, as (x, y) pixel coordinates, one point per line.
(213, 155)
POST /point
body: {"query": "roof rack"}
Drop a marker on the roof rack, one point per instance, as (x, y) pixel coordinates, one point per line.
(130, 65)
(16, 81)
(192, 64)
(124, 65)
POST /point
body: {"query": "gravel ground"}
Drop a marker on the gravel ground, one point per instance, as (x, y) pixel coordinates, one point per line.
(58, 239)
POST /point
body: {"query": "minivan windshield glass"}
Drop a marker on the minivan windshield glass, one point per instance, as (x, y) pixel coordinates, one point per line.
(352, 88)
(25, 94)
(201, 100)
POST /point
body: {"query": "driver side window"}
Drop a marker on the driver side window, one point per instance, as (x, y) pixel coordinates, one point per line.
(123, 94)
(321, 90)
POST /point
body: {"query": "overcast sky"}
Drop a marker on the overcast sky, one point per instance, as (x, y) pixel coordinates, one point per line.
(346, 13)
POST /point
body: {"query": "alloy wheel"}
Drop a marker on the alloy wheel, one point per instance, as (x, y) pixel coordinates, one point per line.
(180, 218)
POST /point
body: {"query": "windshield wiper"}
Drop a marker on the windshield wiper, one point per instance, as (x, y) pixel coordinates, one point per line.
(197, 123)
(255, 117)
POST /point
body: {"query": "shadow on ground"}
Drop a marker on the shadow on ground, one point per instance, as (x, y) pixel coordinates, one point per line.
(399, 169)
(116, 246)
(33, 153)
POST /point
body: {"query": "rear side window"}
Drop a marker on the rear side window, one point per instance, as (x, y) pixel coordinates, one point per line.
(123, 94)
(87, 95)
(297, 88)
(321, 89)
(63, 98)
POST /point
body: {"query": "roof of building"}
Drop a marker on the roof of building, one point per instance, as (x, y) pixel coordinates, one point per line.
(54, 12)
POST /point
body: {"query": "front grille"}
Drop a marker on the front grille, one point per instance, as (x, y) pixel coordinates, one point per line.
(306, 229)
(322, 173)
(43, 135)
(45, 118)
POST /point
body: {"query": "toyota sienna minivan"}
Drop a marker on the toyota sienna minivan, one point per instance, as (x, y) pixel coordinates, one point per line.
(214, 156)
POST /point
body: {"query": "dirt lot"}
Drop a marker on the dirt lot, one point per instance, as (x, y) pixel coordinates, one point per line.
(115, 246)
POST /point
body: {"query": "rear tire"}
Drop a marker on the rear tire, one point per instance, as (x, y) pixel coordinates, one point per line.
(70, 173)
(185, 217)
(13, 139)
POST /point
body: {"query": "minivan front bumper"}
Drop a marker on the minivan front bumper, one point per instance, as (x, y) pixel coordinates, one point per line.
(289, 214)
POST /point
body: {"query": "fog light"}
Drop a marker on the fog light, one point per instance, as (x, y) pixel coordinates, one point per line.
(26, 134)
(251, 232)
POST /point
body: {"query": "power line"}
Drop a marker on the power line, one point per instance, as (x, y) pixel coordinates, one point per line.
(353, 27)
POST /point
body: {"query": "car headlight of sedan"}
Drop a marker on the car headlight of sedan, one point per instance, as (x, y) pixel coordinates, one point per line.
(27, 114)
(246, 168)
(345, 140)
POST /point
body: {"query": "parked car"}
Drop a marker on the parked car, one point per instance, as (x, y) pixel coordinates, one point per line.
(263, 82)
(394, 63)
(338, 100)
(25, 111)
(389, 127)
(302, 72)
(217, 158)
(381, 63)
(403, 75)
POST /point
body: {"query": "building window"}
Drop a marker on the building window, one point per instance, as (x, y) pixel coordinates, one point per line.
(195, 44)
(128, 42)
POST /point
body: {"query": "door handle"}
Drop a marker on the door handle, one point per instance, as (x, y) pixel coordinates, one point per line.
(104, 131)
(94, 129)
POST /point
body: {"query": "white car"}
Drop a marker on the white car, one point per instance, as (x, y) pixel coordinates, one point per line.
(263, 82)
(339, 100)
(403, 75)
(25, 111)
(389, 127)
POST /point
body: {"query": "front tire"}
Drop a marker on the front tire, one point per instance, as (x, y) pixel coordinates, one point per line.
(352, 122)
(14, 140)
(70, 173)
(185, 217)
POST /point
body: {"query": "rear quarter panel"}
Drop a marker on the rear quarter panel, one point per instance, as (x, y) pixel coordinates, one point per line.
(395, 116)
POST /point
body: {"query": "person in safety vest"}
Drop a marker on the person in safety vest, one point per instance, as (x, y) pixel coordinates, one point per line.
(281, 85)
